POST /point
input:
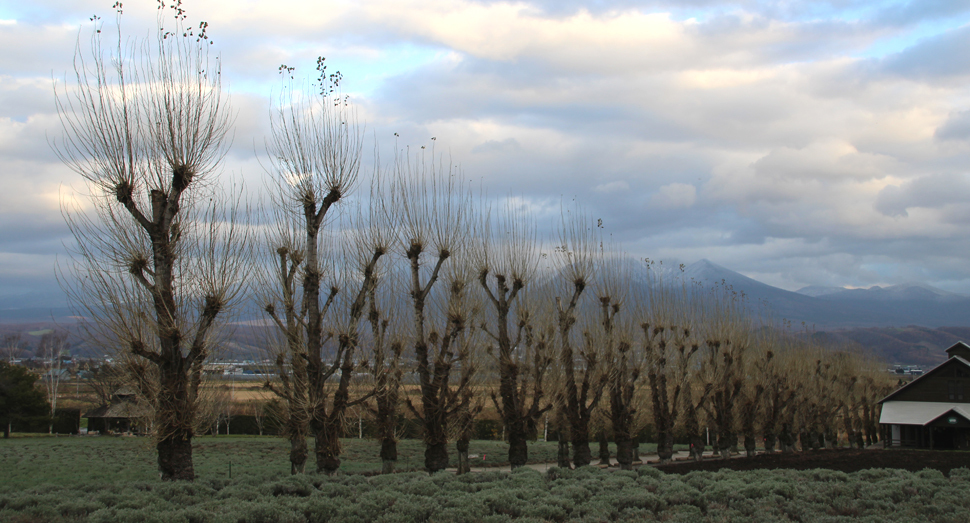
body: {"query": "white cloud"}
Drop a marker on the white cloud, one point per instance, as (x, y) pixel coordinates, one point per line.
(675, 196)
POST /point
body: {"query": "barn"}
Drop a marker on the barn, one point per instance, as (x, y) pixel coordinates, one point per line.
(933, 410)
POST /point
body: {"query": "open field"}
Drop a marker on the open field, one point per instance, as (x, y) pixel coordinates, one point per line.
(103, 479)
(28, 462)
(70, 460)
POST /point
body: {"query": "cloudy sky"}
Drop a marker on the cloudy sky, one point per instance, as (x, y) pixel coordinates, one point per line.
(800, 143)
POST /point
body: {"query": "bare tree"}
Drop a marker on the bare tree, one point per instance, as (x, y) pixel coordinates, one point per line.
(387, 370)
(726, 334)
(506, 263)
(778, 389)
(326, 424)
(51, 347)
(467, 409)
(668, 344)
(315, 160)
(257, 408)
(582, 379)
(874, 385)
(433, 210)
(752, 404)
(12, 347)
(623, 363)
(105, 380)
(158, 256)
(451, 345)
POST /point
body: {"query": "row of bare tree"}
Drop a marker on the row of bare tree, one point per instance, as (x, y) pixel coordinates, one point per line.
(416, 276)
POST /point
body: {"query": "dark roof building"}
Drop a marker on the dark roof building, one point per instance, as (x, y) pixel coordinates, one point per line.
(125, 413)
(933, 410)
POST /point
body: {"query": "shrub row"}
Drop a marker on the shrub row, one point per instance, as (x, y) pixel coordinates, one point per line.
(66, 421)
(587, 494)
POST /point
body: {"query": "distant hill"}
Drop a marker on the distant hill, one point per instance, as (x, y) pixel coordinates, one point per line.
(902, 292)
(903, 345)
(908, 323)
(827, 308)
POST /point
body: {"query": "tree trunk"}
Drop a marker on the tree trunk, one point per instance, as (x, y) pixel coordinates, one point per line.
(624, 442)
(635, 448)
(749, 445)
(582, 456)
(6, 431)
(298, 454)
(770, 441)
(624, 454)
(388, 455)
(697, 447)
(604, 444)
(436, 456)
(786, 439)
(665, 446)
(175, 456)
(562, 455)
(326, 445)
(726, 444)
(513, 421)
(463, 465)
(518, 445)
(174, 412)
(830, 438)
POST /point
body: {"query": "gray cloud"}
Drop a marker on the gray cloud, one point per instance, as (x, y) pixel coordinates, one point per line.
(753, 135)
(956, 127)
(929, 192)
(942, 56)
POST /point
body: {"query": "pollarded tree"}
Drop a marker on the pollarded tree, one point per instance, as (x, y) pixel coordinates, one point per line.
(874, 385)
(726, 334)
(158, 255)
(315, 160)
(773, 368)
(506, 262)
(582, 380)
(668, 344)
(623, 363)
(387, 347)
(751, 399)
(431, 208)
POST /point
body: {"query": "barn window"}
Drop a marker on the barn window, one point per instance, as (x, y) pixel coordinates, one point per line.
(956, 390)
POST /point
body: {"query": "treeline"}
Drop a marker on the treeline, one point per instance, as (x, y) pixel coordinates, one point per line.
(407, 273)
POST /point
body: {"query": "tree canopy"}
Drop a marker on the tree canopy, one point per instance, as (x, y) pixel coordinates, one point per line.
(20, 400)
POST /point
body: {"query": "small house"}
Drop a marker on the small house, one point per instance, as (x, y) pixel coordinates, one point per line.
(933, 410)
(124, 413)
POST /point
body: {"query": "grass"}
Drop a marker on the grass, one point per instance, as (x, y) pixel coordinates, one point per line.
(31, 461)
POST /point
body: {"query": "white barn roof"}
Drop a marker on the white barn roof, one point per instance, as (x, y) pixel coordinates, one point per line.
(919, 412)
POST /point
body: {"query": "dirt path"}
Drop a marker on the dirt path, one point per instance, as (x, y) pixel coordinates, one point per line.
(845, 460)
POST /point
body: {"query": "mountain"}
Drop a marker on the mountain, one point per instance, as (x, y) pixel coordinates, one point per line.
(36, 306)
(817, 290)
(905, 291)
(834, 308)
(903, 345)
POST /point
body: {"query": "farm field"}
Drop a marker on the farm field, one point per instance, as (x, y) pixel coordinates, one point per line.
(30, 461)
(103, 479)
